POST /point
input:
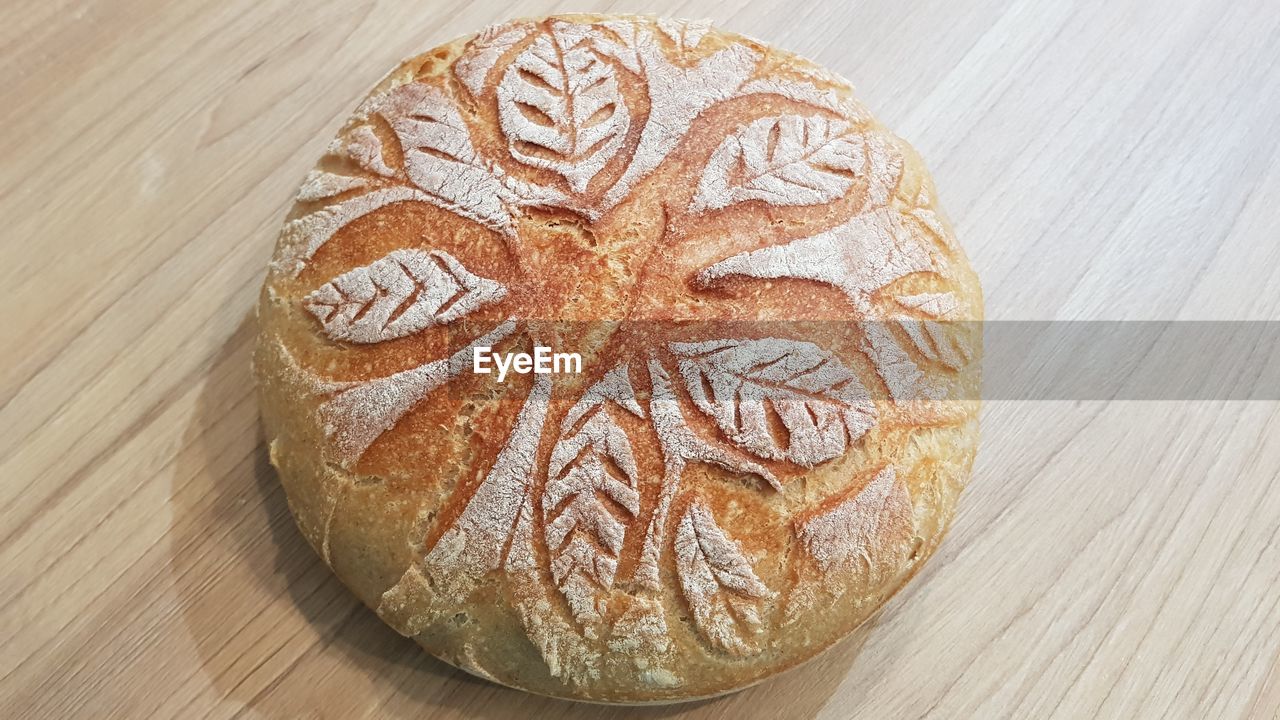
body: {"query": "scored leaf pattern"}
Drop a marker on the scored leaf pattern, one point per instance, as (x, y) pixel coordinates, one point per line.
(723, 591)
(560, 107)
(559, 531)
(483, 52)
(865, 254)
(864, 535)
(938, 305)
(686, 34)
(361, 412)
(845, 535)
(787, 160)
(859, 257)
(478, 540)
(591, 477)
(930, 337)
(320, 185)
(680, 447)
(441, 160)
(678, 94)
(400, 294)
(364, 147)
(822, 404)
(302, 237)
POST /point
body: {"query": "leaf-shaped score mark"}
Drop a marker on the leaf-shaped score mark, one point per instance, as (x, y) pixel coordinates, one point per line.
(792, 160)
(560, 106)
(931, 338)
(721, 588)
(857, 540)
(320, 185)
(483, 52)
(861, 533)
(358, 413)
(684, 33)
(870, 251)
(361, 146)
(591, 480)
(400, 294)
(441, 160)
(744, 385)
(364, 147)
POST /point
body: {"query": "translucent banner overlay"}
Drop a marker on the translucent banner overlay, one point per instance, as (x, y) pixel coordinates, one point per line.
(1018, 360)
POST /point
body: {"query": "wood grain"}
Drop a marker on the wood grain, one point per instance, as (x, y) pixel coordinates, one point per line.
(1101, 160)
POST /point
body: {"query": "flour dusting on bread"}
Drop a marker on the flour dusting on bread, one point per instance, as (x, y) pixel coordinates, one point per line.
(714, 499)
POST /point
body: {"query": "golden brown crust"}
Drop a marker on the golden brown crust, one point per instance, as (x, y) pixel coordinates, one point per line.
(776, 411)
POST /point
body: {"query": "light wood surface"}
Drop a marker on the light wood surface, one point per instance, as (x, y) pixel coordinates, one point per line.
(1101, 159)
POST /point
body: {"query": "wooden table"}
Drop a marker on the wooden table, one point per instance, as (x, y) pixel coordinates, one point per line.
(1101, 159)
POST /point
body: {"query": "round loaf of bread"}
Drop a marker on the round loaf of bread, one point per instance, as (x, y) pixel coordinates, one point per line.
(618, 358)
